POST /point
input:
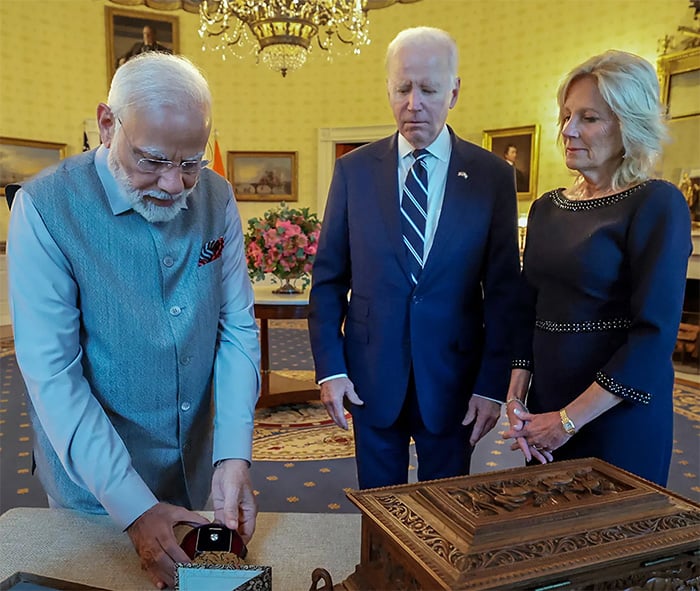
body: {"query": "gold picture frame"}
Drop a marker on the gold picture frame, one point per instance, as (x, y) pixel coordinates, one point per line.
(526, 140)
(21, 159)
(263, 176)
(124, 29)
(679, 80)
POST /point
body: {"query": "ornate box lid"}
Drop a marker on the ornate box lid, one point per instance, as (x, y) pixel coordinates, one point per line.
(499, 529)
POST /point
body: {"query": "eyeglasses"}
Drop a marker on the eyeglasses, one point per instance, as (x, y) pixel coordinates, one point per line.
(156, 166)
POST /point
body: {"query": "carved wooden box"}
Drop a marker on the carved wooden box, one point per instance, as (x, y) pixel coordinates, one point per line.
(580, 524)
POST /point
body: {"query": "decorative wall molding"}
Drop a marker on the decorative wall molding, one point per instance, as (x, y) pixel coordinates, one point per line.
(328, 138)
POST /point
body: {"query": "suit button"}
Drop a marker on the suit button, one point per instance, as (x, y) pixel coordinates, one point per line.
(168, 261)
(175, 311)
(185, 406)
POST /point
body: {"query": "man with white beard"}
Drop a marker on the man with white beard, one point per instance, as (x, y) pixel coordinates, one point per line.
(133, 319)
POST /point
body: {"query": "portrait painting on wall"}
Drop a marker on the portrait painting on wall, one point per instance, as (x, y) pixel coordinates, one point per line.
(130, 33)
(21, 159)
(519, 147)
(263, 176)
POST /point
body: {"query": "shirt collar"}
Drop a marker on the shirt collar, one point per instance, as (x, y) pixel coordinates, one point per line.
(440, 148)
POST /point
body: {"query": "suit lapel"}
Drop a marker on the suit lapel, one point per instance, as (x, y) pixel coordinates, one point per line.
(386, 181)
(454, 216)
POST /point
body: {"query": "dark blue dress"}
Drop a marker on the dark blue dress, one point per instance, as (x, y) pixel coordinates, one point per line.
(601, 299)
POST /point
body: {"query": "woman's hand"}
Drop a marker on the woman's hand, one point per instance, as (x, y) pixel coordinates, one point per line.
(537, 435)
(517, 413)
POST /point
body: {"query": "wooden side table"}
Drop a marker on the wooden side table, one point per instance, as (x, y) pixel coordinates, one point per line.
(277, 389)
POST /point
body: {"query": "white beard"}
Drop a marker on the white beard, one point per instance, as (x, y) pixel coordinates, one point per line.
(149, 211)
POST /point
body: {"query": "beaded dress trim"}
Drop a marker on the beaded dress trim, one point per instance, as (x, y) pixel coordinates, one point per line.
(521, 364)
(583, 326)
(562, 202)
(618, 389)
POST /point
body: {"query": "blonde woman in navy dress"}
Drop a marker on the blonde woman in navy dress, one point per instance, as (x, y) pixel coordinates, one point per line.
(602, 285)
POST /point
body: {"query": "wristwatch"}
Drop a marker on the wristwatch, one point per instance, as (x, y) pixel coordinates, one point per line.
(567, 423)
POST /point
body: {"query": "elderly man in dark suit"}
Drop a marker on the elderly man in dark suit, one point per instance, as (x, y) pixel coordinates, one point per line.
(414, 279)
(148, 43)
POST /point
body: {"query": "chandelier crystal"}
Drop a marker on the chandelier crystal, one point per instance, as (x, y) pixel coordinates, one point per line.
(281, 32)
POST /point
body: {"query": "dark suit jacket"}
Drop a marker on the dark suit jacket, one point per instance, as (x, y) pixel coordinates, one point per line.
(454, 326)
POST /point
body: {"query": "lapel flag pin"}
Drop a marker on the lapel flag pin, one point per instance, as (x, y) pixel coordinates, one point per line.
(463, 174)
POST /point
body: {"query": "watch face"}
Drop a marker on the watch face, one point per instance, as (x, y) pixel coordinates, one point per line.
(567, 423)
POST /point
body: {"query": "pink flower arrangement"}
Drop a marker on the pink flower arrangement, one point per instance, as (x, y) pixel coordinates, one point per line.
(283, 243)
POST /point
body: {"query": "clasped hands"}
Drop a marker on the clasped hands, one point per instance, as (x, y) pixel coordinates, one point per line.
(536, 435)
(153, 536)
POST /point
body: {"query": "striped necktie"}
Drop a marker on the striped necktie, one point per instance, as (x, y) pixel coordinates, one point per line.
(414, 212)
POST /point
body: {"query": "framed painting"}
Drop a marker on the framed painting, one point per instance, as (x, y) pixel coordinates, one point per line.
(263, 176)
(129, 33)
(520, 147)
(21, 159)
(679, 74)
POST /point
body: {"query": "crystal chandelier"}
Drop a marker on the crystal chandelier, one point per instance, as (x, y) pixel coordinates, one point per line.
(281, 32)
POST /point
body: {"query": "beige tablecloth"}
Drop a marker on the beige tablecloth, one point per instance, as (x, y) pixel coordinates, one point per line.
(90, 549)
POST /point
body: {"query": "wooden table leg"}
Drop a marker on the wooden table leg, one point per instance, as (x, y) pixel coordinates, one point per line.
(276, 389)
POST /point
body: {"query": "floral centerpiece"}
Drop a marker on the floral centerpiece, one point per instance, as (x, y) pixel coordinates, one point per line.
(283, 243)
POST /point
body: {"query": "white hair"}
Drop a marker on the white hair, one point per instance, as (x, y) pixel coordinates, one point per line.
(422, 36)
(153, 80)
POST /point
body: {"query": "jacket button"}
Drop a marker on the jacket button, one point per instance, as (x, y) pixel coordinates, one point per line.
(185, 406)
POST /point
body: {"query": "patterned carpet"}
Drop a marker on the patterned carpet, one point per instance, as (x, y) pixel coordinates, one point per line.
(302, 462)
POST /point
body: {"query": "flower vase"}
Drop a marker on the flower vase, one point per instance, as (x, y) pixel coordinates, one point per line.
(287, 286)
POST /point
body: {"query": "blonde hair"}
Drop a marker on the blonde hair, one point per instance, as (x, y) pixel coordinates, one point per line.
(629, 86)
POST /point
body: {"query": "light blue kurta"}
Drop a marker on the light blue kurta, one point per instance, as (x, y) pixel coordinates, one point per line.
(120, 335)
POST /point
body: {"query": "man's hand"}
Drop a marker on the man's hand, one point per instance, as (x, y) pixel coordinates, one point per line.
(232, 495)
(332, 394)
(154, 540)
(486, 412)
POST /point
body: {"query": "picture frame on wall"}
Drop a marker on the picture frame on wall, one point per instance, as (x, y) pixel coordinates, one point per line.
(21, 159)
(679, 73)
(263, 176)
(130, 32)
(520, 147)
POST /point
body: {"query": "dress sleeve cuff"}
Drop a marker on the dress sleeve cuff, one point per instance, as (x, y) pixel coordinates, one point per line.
(489, 398)
(521, 364)
(618, 389)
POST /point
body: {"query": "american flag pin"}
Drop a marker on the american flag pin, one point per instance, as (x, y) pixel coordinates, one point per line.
(463, 174)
